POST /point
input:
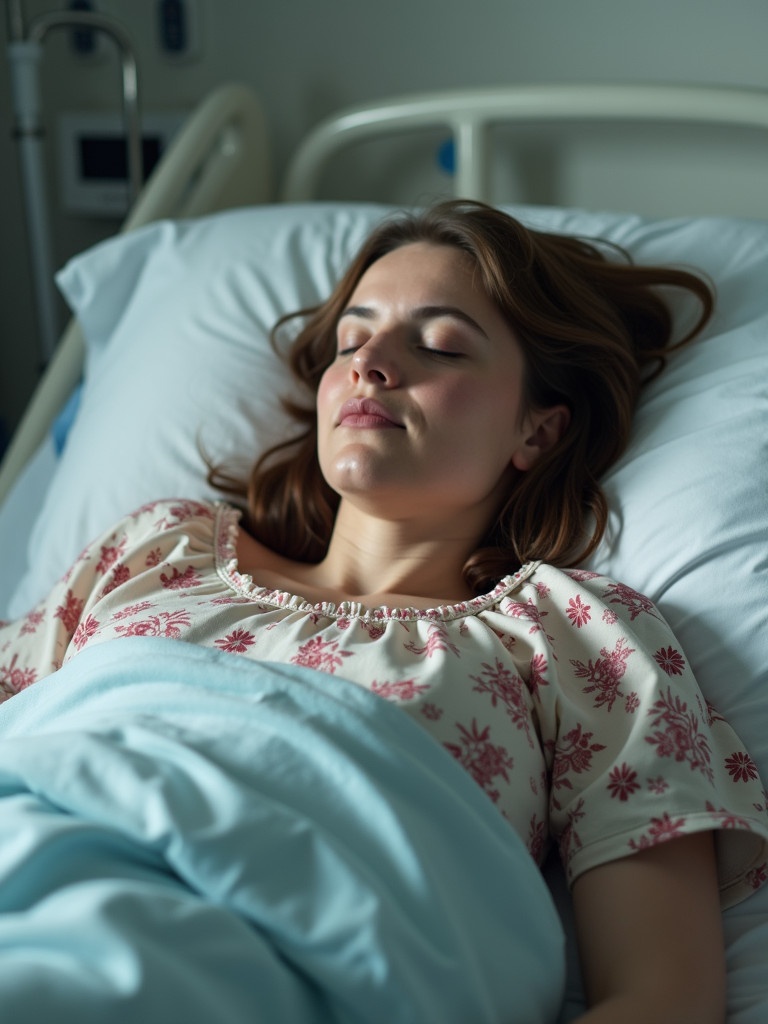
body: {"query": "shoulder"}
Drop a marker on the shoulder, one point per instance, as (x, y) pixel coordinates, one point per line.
(171, 541)
(176, 510)
(168, 513)
(165, 522)
(567, 589)
(582, 614)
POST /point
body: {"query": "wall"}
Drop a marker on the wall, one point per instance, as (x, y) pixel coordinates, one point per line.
(310, 57)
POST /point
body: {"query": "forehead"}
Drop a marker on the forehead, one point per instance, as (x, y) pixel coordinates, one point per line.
(421, 265)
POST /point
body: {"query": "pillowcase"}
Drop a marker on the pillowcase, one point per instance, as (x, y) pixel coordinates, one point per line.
(176, 318)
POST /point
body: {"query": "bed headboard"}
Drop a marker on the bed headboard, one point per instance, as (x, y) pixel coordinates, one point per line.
(469, 114)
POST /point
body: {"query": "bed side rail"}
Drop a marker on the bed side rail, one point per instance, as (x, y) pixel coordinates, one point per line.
(469, 114)
(219, 159)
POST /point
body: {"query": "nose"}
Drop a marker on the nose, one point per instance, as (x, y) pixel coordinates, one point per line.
(376, 362)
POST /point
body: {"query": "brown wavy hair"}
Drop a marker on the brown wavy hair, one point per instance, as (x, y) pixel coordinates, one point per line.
(593, 328)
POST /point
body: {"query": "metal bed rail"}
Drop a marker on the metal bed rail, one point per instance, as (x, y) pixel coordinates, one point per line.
(469, 114)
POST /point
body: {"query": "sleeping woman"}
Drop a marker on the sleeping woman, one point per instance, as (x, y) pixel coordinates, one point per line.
(467, 384)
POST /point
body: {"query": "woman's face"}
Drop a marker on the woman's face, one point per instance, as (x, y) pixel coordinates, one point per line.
(421, 411)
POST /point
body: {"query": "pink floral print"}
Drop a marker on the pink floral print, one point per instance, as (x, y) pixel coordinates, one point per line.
(401, 689)
(437, 640)
(110, 553)
(622, 782)
(236, 642)
(636, 604)
(506, 689)
(662, 829)
(167, 624)
(69, 611)
(573, 756)
(678, 734)
(14, 678)
(741, 767)
(85, 630)
(670, 661)
(483, 759)
(324, 655)
(605, 673)
(578, 612)
(180, 580)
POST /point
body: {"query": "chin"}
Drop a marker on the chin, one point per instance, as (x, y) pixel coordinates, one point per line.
(357, 470)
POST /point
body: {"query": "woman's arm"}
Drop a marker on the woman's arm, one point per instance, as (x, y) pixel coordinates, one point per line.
(650, 936)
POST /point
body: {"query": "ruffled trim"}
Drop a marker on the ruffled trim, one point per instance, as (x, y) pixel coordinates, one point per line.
(227, 520)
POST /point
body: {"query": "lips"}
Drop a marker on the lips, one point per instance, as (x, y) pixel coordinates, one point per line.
(366, 412)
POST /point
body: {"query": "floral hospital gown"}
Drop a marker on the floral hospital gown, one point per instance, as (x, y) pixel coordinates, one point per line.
(562, 693)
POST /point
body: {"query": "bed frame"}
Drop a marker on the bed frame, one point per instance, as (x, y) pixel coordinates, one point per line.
(220, 160)
(469, 114)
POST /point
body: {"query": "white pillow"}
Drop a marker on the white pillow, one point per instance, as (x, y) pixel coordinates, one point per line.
(176, 318)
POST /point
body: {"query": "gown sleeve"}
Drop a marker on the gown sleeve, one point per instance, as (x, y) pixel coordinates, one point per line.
(55, 629)
(635, 753)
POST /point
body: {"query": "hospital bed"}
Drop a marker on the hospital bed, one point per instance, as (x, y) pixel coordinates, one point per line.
(169, 351)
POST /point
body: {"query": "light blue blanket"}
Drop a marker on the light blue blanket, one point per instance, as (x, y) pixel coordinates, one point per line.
(188, 836)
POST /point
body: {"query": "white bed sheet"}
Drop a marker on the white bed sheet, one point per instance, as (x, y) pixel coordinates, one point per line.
(17, 517)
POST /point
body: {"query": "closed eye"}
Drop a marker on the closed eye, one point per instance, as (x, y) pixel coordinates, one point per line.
(439, 352)
(442, 352)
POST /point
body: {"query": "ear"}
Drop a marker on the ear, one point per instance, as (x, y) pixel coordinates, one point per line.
(541, 431)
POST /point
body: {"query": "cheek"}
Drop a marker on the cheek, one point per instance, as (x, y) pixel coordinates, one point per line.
(483, 420)
(328, 401)
(326, 392)
(452, 397)
(480, 406)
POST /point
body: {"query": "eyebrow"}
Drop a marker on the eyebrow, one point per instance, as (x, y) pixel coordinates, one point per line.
(421, 313)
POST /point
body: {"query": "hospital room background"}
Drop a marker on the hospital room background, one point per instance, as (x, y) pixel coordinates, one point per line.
(307, 59)
(169, 352)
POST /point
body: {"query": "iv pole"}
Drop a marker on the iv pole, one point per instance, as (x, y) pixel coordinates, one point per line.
(25, 49)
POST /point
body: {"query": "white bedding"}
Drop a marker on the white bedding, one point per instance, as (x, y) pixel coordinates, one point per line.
(176, 318)
(169, 796)
(17, 516)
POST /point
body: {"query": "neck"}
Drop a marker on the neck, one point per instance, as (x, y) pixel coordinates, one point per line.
(369, 556)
